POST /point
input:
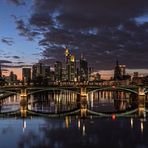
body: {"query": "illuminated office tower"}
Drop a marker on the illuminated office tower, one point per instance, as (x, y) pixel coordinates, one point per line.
(72, 68)
(83, 69)
(69, 66)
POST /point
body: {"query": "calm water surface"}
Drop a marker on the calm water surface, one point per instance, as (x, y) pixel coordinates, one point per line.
(71, 132)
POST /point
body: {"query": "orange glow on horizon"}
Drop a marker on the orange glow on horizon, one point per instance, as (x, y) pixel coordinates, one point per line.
(17, 71)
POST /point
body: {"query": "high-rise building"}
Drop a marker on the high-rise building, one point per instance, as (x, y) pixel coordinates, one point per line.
(40, 70)
(69, 67)
(58, 71)
(83, 69)
(34, 72)
(45, 71)
(26, 75)
(117, 72)
(72, 68)
(123, 70)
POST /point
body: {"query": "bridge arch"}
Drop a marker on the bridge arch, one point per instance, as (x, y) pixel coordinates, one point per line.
(113, 89)
(146, 92)
(122, 114)
(8, 93)
(48, 89)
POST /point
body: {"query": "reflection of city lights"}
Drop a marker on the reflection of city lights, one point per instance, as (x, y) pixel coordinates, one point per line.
(91, 117)
(24, 125)
(84, 132)
(70, 119)
(131, 122)
(79, 123)
(141, 127)
(66, 122)
(113, 117)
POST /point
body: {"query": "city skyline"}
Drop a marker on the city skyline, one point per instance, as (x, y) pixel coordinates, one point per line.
(105, 74)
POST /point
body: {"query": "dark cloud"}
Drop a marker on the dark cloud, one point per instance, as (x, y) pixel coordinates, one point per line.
(17, 2)
(5, 61)
(19, 62)
(102, 30)
(40, 20)
(16, 57)
(24, 29)
(7, 40)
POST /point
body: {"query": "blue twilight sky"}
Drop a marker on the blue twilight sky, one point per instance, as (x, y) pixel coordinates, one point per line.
(103, 30)
(13, 46)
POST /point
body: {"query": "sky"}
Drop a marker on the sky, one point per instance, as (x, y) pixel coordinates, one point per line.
(103, 30)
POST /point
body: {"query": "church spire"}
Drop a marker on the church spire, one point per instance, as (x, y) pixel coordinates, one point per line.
(117, 62)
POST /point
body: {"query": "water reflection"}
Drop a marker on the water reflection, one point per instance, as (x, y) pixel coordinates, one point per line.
(53, 102)
(73, 132)
(112, 101)
(12, 103)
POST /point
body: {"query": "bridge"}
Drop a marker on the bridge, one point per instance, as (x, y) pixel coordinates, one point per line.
(83, 90)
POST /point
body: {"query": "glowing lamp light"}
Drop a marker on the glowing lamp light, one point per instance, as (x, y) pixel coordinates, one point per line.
(113, 117)
(113, 87)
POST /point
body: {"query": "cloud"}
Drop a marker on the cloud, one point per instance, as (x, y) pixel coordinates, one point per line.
(40, 20)
(5, 61)
(24, 29)
(8, 41)
(16, 57)
(19, 62)
(99, 29)
(17, 2)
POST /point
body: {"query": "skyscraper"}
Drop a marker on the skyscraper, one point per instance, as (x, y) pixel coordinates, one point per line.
(69, 66)
(72, 68)
(83, 69)
(26, 75)
(45, 71)
(34, 72)
(58, 71)
(117, 72)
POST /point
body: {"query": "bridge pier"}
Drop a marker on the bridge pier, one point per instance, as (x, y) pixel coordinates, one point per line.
(23, 103)
(83, 102)
(141, 102)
